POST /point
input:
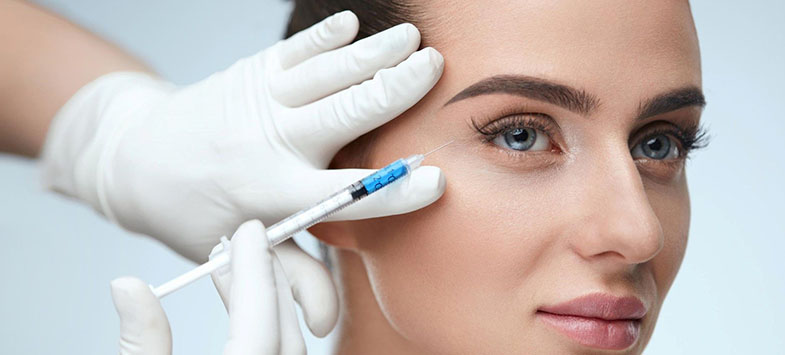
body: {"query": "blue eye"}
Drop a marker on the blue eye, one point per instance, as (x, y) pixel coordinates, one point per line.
(657, 147)
(523, 139)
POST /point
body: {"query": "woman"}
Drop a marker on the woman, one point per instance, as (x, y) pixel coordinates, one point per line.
(566, 212)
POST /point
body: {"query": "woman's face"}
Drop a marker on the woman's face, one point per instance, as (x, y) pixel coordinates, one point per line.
(571, 122)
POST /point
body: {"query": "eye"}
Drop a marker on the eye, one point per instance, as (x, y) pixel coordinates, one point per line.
(523, 139)
(656, 147)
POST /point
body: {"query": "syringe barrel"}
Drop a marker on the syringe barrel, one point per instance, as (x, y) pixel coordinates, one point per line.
(386, 175)
(306, 218)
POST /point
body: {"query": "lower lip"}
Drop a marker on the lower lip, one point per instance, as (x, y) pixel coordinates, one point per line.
(593, 332)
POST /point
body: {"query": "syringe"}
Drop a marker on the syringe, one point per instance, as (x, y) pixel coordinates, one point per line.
(308, 217)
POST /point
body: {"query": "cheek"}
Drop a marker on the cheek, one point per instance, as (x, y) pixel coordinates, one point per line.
(462, 260)
(672, 207)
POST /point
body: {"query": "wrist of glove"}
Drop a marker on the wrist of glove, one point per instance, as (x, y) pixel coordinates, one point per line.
(87, 129)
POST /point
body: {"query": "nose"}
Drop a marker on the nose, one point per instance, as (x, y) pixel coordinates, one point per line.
(614, 218)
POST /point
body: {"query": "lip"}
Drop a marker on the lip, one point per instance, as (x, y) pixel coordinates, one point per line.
(597, 320)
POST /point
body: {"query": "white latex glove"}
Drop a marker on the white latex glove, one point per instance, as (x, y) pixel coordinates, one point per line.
(262, 318)
(187, 165)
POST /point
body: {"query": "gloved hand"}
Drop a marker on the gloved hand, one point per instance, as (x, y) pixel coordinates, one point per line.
(262, 318)
(187, 165)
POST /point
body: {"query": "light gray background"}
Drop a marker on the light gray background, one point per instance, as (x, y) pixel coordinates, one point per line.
(59, 256)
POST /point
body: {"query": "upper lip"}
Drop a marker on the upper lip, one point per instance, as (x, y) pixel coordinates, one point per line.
(601, 306)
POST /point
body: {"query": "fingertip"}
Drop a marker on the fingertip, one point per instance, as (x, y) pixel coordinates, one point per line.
(420, 72)
(252, 225)
(320, 309)
(428, 182)
(332, 32)
(311, 286)
(340, 28)
(250, 230)
(344, 21)
(408, 39)
(144, 328)
(432, 61)
(131, 296)
(435, 58)
(441, 181)
(323, 323)
(126, 284)
(412, 33)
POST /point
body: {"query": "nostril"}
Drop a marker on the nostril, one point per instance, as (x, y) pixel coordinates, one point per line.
(626, 237)
(610, 254)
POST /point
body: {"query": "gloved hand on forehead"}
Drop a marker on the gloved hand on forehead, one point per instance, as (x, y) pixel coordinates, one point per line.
(187, 164)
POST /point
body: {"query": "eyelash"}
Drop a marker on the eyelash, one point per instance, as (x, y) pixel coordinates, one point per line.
(690, 138)
(493, 129)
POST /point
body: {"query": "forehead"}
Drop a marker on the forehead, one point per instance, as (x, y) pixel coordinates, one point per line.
(609, 47)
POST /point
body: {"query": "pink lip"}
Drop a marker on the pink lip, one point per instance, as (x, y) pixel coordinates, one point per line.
(597, 320)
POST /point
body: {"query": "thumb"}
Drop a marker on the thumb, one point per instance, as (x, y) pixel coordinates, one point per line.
(144, 328)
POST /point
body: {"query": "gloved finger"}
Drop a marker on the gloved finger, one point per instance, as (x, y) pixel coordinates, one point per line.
(311, 286)
(144, 328)
(291, 338)
(336, 70)
(222, 278)
(346, 115)
(253, 314)
(332, 32)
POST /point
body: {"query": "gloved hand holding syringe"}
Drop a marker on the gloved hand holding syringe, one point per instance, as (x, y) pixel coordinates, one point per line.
(308, 217)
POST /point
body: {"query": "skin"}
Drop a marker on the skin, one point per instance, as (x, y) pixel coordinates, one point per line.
(44, 60)
(517, 231)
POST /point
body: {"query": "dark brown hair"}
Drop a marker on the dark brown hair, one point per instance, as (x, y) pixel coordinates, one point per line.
(375, 15)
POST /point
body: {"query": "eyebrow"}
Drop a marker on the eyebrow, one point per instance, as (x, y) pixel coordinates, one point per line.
(671, 101)
(575, 100)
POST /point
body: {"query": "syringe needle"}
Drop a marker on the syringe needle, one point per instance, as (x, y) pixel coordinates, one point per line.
(439, 147)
